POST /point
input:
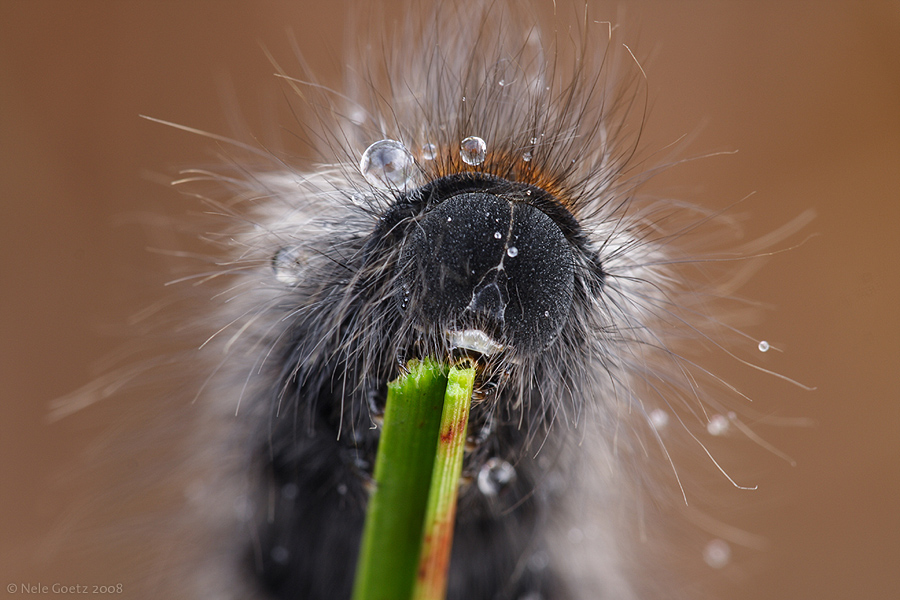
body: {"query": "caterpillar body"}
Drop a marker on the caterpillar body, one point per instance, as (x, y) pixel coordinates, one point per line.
(475, 192)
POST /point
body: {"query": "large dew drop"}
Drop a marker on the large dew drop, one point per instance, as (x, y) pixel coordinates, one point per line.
(472, 150)
(387, 164)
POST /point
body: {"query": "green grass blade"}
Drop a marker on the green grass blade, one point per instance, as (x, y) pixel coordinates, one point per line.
(390, 548)
(437, 539)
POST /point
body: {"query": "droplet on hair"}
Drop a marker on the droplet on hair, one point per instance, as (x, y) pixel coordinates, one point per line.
(287, 265)
(243, 508)
(512, 252)
(472, 150)
(658, 418)
(538, 561)
(527, 157)
(718, 425)
(387, 164)
(357, 116)
(764, 346)
(429, 152)
(494, 475)
(717, 553)
(497, 235)
(575, 535)
(280, 555)
(290, 491)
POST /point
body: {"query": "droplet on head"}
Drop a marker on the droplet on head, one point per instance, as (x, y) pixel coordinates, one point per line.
(472, 150)
(527, 157)
(764, 346)
(387, 164)
(497, 235)
(429, 152)
(494, 475)
(512, 252)
(718, 425)
(287, 265)
(717, 553)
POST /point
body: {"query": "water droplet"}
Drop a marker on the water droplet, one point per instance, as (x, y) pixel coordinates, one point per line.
(527, 157)
(472, 150)
(289, 491)
(449, 219)
(342, 489)
(534, 140)
(718, 425)
(243, 508)
(717, 553)
(764, 346)
(280, 555)
(429, 152)
(658, 418)
(497, 235)
(357, 116)
(512, 252)
(387, 164)
(287, 264)
(502, 83)
(538, 561)
(575, 535)
(493, 475)
(546, 313)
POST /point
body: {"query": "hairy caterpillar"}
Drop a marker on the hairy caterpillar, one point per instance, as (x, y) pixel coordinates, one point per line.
(325, 297)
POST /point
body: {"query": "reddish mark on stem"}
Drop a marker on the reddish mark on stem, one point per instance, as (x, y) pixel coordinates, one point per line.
(436, 558)
(448, 433)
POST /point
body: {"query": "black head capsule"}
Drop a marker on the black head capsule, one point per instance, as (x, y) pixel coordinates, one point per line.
(489, 271)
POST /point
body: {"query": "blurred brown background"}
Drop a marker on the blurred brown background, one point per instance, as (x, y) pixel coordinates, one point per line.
(807, 92)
